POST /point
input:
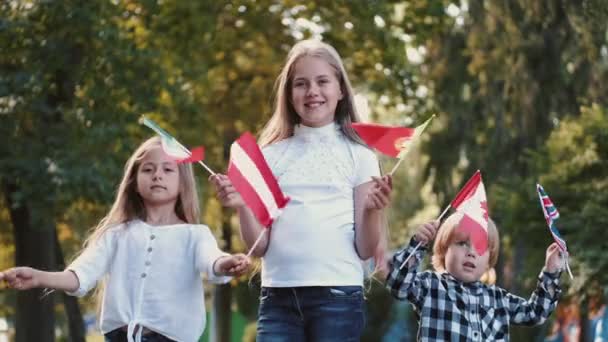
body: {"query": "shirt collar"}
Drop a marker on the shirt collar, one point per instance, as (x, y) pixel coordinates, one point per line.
(324, 133)
(475, 287)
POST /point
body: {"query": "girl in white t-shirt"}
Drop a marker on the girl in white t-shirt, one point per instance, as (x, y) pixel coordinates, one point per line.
(312, 269)
(150, 253)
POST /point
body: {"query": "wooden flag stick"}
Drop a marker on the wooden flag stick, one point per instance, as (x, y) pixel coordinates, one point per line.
(257, 241)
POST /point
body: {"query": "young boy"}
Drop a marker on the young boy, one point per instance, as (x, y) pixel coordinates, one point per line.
(452, 304)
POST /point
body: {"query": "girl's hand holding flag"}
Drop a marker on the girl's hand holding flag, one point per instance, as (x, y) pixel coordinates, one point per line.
(226, 193)
(379, 194)
(232, 265)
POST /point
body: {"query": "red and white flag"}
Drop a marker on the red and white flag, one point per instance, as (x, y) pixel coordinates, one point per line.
(471, 202)
(253, 179)
(389, 140)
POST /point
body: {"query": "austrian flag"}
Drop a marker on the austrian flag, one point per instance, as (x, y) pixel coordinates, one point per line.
(254, 181)
(473, 205)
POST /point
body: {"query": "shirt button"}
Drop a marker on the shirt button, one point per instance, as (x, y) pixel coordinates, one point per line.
(147, 263)
(143, 275)
(475, 335)
(152, 237)
(149, 249)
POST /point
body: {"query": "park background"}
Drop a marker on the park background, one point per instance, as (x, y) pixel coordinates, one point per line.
(519, 88)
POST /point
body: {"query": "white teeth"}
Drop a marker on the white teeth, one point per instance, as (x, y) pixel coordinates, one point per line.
(313, 105)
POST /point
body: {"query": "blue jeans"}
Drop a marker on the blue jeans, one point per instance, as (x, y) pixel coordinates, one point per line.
(317, 313)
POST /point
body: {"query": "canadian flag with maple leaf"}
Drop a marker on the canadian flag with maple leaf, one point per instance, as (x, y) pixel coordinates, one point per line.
(473, 206)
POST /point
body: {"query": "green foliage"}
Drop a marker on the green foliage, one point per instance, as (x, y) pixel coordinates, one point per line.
(575, 170)
(508, 80)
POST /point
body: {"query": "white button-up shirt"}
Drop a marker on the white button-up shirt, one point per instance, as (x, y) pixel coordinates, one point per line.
(152, 277)
(312, 242)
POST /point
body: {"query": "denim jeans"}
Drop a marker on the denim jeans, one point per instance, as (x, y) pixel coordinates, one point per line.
(119, 335)
(317, 313)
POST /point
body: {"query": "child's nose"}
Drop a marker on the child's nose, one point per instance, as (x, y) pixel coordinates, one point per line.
(313, 89)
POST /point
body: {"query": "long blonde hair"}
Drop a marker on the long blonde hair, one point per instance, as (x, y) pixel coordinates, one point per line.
(284, 118)
(129, 205)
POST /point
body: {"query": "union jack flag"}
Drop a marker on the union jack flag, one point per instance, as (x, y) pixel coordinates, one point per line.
(551, 215)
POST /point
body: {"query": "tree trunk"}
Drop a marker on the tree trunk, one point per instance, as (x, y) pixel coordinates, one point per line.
(34, 247)
(72, 310)
(222, 295)
(583, 319)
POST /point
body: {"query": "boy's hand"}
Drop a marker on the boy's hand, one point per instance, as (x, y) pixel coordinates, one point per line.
(21, 278)
(425, 233)
(226, 192)
(554, 260)
(233, 265)
(379, 195)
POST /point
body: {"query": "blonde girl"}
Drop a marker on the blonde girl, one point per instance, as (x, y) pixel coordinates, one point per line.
(312, 274)
(150, 251)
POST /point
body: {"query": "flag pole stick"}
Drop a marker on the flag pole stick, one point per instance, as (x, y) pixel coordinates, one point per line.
(45, 292)
(568, 265)
(418, 131)
(150, 124)
(397, 165)
(420, 243)
(257, 241)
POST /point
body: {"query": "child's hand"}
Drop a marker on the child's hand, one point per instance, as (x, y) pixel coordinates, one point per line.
(226, 192)
(425, 233)
(379, 195)
(21, 278)
(233, 265)
(554, 260)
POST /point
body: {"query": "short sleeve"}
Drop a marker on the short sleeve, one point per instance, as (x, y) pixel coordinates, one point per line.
(273, 152)
(206, 254)
(366, 164)
(93, 263)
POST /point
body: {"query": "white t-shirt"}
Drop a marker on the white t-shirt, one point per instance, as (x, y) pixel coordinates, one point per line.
(153, 277)
(312, 242)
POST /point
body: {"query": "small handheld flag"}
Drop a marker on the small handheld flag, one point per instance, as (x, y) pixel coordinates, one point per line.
(472, 203)
(551, 215)
(467, 191)
(254, 181)
(387, 140)
(408, 144)
(173, 147)
(392, 141)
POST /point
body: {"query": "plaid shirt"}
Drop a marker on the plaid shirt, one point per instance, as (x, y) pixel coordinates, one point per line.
(449, 310)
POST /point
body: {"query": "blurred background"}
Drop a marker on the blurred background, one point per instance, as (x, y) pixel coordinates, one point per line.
(519, 88)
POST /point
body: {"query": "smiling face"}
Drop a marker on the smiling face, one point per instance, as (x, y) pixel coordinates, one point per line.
(462, 260)
(158, 178)
(315, 91)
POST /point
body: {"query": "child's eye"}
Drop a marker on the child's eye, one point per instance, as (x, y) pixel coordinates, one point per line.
(298, 84)
(146, 170)
(169, 170)
(462, 243)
